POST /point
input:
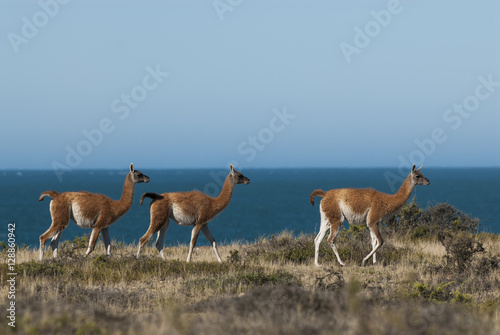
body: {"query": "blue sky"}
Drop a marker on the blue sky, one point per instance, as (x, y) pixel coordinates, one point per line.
(189, 84)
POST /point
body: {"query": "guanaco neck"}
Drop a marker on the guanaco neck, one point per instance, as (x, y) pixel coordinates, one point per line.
(225, 195)
(125, 202)
(401, 196)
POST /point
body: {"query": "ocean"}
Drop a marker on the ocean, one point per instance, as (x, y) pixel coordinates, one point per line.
(274, 201)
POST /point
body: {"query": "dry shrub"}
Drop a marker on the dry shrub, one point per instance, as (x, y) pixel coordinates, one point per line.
(332, 280)
(464, 275)
(485, 265)
(460, 249)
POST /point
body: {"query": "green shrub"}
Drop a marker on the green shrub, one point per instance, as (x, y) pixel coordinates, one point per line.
(445, 217)
(51, 268)
(405, 222)
(444, 292)
(300, 252)
(4, 246)
(101, 259)
(68, 248)
(441, 293)
(286, 248)
(413, 222)
(459, 297)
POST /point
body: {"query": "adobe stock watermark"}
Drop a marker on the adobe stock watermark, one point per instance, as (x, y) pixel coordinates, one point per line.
(221, 7)
(31, 26)
(453, 118)
(363, 36)
(258, 142)
(121, 107)
(11, 274)
(251, 146)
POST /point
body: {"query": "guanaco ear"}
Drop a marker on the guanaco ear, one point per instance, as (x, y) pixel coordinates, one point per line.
(132, 167)
(420, 167)
(231, 167)
(413, 168)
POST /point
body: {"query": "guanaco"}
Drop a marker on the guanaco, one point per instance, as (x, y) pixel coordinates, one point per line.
(361, 206)
(88, 210)
(188, 209)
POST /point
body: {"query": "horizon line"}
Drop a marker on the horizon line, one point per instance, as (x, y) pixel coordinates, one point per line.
(254, 168)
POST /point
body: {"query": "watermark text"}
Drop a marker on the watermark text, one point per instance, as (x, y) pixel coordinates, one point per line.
(121, 107)
(363, 36)
(453, 117)
(11, 274)
(31, 26)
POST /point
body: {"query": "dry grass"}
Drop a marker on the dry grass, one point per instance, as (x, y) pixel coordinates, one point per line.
(268, 287)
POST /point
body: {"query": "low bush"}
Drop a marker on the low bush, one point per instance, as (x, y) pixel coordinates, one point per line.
(413, 222)
(286, 248)
(460, 249)
(332, 280)
(447, 218)
(443, 292)
(440, 293)
(51, 268)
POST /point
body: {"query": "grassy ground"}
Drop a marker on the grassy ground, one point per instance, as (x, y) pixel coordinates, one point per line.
(425, 285)
(267, 287)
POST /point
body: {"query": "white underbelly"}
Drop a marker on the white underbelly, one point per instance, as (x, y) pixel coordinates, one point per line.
(351, 216)
(180, 217)
(79, 218)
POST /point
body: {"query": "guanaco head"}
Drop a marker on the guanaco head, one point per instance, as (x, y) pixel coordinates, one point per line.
(237, 177)
(137, 176)
(417, 177)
